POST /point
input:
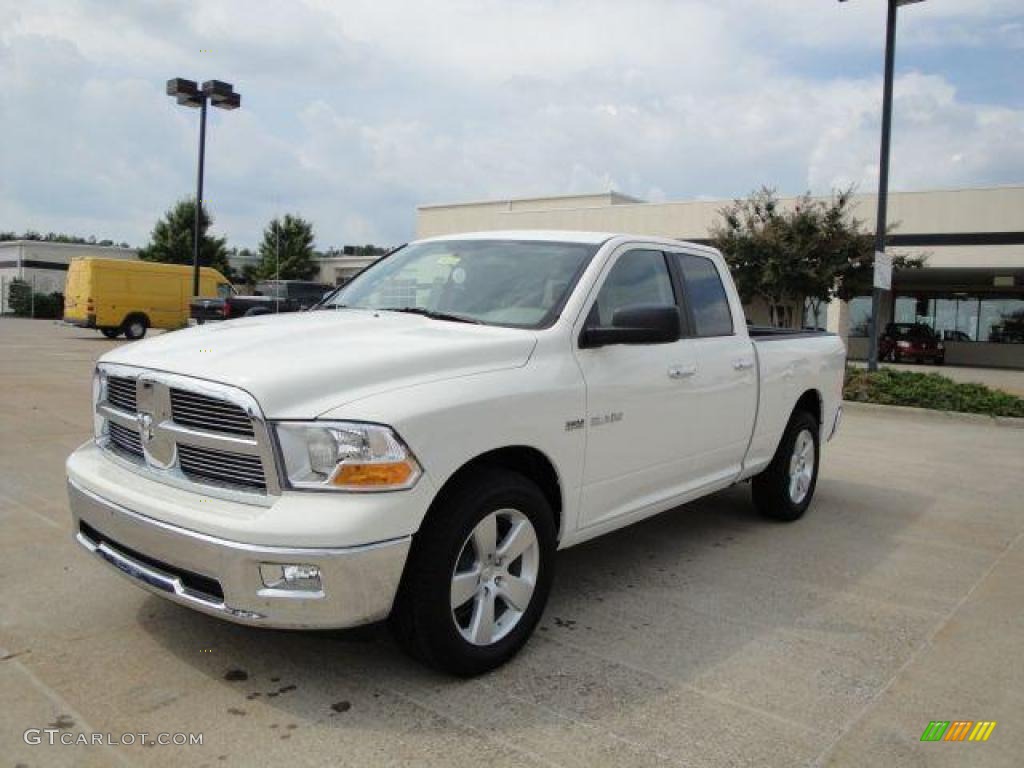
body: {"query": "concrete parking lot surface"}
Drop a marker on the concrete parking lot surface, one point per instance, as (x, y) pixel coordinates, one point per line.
(705, 636)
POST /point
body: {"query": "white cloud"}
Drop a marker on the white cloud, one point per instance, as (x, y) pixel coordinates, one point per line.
(353, 113)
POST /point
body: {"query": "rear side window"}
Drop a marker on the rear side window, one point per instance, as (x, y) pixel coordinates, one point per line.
(706, 296)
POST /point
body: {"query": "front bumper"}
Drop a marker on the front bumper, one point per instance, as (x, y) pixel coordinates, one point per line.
(222, 578)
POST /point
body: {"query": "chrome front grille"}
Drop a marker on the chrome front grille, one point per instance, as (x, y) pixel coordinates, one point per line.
(125, 440)
(202, 412)
(189, 433)
(121, 394)
(221, 466)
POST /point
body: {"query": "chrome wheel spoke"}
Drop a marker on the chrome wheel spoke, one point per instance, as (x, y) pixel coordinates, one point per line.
(464, 586)
(485, 537)
(516, 591)
(481, 628)
(517, 541)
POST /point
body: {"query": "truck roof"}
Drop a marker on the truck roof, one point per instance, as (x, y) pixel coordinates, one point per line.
(559, 236)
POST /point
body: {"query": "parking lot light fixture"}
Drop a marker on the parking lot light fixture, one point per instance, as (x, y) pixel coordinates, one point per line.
(883, 174)
(188, 94)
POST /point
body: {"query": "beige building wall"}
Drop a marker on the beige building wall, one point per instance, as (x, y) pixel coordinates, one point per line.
(967, 215)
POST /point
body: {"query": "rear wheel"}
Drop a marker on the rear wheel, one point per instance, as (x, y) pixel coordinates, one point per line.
(784, 490)
(478, 575)
(111, 333)
(135, 327)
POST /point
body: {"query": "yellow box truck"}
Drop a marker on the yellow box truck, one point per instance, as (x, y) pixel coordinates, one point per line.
(116, 296)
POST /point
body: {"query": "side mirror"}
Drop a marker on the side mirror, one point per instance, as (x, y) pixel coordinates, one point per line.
(646, 324)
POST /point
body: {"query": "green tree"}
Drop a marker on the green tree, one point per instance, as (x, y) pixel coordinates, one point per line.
(286, 250)
(813, 251)
(171, 241)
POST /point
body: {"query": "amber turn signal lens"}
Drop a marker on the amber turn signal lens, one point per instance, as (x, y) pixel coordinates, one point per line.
(374, 475)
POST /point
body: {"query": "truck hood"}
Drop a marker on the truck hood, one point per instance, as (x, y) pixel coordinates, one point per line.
(301, 365)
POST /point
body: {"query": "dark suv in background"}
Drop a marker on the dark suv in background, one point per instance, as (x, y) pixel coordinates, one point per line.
(270, 297)
(911, 341)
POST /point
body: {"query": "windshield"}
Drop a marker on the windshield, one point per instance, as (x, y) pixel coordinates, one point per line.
(522, 284)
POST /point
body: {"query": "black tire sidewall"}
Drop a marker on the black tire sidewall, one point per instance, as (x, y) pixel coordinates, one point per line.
(434, 558)
(771, 488)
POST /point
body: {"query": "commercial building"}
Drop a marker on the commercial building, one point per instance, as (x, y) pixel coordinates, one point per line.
(45, 265)
(971, 290)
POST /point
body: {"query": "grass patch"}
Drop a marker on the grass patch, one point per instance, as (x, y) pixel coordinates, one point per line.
(928, 390)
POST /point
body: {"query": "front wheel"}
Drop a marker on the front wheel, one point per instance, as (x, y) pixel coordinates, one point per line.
(478, 576)
(784, 490)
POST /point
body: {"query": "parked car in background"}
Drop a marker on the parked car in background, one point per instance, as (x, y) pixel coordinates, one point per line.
(911, 341)
(457, 413)
(117, 296)
(270, 297)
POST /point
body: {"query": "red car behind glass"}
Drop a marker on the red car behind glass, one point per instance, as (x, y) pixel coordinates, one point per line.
(911, 341)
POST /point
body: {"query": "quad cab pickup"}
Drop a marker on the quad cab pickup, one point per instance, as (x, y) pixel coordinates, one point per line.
(271, 297)
(419, 450)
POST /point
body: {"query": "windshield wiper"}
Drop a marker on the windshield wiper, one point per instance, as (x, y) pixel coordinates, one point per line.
(433, 315)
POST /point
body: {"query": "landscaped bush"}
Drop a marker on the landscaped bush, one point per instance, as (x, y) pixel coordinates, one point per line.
(928, 390)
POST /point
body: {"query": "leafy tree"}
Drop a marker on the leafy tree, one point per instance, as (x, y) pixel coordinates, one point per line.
(287, 250)
(171, 241)
(813, 251)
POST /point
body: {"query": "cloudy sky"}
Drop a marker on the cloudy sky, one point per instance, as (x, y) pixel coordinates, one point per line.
(355, 111)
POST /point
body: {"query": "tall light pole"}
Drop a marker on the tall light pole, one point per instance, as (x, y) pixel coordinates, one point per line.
(187, 93)
(883, 271)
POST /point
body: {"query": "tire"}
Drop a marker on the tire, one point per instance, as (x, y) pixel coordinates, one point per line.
(135, 327)
(111, 333)
(777, 493)
(446, 561)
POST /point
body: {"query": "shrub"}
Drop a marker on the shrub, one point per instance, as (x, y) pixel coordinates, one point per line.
(928, 390)
(24, 303)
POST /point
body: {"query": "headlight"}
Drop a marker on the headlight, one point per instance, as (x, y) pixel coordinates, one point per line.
(345, 456)
(99, 394)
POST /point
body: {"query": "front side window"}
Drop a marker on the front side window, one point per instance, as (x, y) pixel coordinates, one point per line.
(514, 283)
(706, 296)
(224, 290)
(638, 278)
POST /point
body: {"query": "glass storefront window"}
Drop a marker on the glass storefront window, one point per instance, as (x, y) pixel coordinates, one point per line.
(953, 317)
(860, 315)
(1001, 321)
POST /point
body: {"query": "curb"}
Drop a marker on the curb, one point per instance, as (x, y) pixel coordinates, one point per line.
(853, 406)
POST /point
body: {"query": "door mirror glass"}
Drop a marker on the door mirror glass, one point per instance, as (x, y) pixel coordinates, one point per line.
(642, 324)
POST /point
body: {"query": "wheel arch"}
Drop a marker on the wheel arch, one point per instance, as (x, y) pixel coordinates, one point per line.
(139, 314)
(526, 460)
(810, 402)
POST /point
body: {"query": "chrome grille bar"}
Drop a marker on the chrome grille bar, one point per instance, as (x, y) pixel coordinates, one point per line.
(197, 410)
(121, 393)
(221, 466)
(125, 439)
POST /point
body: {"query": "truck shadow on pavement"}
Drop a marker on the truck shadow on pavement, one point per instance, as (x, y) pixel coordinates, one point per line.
(686, 600)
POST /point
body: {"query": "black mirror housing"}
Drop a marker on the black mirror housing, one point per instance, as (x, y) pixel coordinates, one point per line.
(643, 324)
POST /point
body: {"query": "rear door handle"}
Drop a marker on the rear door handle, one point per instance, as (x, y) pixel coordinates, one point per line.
(682, 371)
(743, 364)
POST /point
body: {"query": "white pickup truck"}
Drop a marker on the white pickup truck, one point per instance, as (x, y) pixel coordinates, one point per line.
(419, 447)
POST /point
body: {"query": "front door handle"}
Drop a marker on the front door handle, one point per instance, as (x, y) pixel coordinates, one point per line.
(743, 364)
(682, 371)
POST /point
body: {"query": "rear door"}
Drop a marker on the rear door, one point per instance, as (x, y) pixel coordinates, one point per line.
(723, 388)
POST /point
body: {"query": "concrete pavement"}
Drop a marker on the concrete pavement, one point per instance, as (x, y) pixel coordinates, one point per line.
(705, 636)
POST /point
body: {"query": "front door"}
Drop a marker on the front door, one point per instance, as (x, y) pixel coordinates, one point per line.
(637, 406)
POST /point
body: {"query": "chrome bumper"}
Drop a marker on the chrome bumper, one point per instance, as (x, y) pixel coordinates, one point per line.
(223, 578)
